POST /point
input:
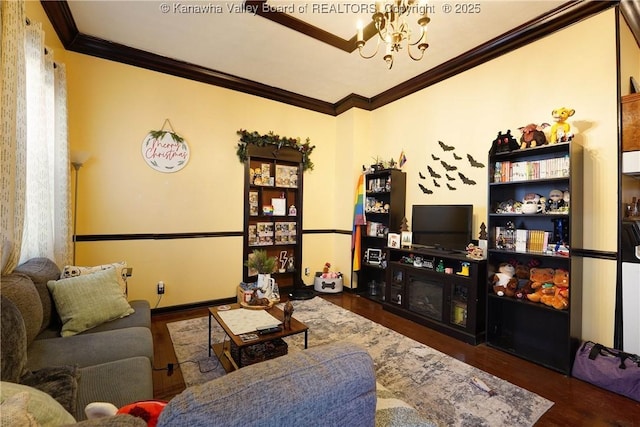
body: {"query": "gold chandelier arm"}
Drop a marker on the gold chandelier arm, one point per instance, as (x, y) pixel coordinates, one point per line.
(374, 52)
(417, 58)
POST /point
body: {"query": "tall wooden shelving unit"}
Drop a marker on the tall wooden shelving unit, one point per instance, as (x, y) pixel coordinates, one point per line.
(385, 192)
(535, 331)
(273, 210)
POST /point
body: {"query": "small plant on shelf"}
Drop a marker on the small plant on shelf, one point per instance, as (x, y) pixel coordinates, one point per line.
(260, 262)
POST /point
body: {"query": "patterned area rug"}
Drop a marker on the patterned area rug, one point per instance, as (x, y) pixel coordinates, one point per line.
(437, 385)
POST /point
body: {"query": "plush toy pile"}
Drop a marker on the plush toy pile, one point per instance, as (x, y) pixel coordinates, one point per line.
(540, 285)
(328, 274)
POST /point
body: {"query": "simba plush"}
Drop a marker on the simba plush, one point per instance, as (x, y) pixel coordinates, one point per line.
(541, 283)
(504, 281)
(560, 131)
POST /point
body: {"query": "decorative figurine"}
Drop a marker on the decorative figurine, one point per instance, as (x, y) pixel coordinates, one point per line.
(560, 131)
(533, 135)
(288, 312)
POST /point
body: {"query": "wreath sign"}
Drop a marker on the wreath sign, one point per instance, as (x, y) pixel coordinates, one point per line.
(277, 141)
(165, 150)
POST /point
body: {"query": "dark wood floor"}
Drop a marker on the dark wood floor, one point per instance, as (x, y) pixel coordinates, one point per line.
(576, 403)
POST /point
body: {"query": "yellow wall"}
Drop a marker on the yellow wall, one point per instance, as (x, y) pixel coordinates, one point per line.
(112, 107)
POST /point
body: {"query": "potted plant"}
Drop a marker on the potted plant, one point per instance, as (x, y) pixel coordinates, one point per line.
(261, 262)
(264, 264)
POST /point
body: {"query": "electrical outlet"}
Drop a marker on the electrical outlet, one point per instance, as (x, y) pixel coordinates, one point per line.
(306, 271)
(160, 287)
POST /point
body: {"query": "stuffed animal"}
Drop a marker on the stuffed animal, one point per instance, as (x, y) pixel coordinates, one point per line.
(560, 299)
(541, 283)
(504, 281)
(524, 282)
(533, 135)
(147, 410)
(504, 143)
(560, 131)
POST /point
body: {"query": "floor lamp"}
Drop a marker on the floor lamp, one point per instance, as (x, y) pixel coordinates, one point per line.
(78, 158)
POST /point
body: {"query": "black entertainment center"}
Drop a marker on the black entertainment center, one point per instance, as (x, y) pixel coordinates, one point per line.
(442, 289)
(433, 282)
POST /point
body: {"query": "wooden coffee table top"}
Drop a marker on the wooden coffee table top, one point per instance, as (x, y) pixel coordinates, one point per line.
(296, 326)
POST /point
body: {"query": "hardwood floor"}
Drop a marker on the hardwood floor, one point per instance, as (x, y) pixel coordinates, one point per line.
(576, 403)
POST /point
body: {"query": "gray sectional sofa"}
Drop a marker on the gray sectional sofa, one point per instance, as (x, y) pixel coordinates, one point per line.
(111, 362)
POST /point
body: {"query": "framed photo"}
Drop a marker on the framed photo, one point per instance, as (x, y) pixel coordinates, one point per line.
(405, 239)
(279, 206)
(374, 256)
(393, 240)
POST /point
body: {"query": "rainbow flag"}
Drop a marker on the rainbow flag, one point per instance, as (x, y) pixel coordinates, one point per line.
(359, 220)
(402, 159)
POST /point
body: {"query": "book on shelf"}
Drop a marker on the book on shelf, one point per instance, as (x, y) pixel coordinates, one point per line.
(521, 240)
(557, 167)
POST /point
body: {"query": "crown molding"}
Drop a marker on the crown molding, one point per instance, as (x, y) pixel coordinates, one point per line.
(62, 21)
(631, 13)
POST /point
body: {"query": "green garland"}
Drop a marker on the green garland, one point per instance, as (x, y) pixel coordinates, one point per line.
(158, 134)
(255, 138)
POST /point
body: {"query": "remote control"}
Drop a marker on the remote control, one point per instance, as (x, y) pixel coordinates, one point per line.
(269, 330)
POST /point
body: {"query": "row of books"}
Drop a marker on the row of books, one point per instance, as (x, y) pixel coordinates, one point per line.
(522, 240)
(534, 169)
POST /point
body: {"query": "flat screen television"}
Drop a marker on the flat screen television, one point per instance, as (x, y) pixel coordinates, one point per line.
(444, 227)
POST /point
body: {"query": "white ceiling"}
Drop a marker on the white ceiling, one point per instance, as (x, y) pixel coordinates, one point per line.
(255, 48)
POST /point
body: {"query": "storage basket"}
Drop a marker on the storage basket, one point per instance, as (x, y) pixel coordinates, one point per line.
(258, 352)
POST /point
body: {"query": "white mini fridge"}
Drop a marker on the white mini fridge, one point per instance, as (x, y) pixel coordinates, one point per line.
(631, 286)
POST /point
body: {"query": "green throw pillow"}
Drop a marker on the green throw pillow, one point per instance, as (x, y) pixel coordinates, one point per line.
(41, 406)
(86, 301)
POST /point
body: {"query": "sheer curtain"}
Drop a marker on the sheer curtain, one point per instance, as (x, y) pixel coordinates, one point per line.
(35, 171)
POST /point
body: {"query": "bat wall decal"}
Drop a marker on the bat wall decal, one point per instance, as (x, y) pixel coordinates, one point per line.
(433, 173)
(446, 147)
(424, 189)
(421, 176)
(436, 183)
(466, 180)
(474, 163)
(455, 156)
(447, 166)
(450, 187)
(435, 158)
(450, 178)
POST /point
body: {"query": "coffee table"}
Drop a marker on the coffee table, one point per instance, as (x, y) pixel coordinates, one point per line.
(223, 350)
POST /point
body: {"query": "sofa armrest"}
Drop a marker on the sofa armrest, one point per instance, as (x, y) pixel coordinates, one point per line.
(333, 384)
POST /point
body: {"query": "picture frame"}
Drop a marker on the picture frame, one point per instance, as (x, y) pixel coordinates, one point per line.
(374, 256)
(406, 239)
(279, 206)
(393, 240)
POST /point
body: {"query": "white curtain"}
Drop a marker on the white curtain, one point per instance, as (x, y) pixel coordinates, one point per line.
(38, 153)
(14, 130)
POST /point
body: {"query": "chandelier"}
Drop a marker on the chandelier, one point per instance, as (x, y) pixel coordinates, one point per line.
(390, 22)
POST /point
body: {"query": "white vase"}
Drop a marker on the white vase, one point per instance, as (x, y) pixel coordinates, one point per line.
(265, 286)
